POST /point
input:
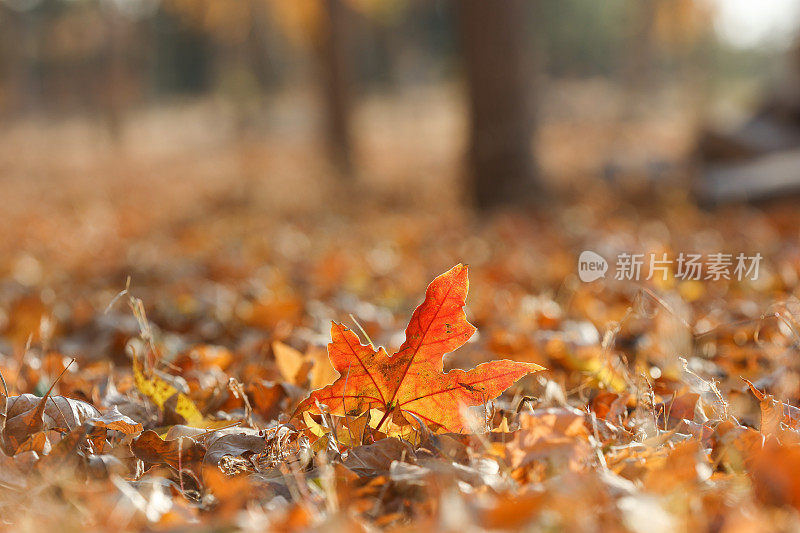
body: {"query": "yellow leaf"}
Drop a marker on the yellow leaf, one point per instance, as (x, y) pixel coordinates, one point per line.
(322, 373)
(159, 391)
(294, 366)
(291, 363)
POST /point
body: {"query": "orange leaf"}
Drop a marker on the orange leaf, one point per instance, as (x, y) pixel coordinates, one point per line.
(179, 453)
(412, 379)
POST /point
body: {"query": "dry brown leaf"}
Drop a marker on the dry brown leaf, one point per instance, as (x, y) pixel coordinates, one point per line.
(181, 453)
(235, 445)
(376, 458)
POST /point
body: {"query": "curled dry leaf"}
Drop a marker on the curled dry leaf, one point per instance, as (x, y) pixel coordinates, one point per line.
(775, 413)
(114, 420)
(181, 453)
(235, 445)
(29, 415)
(65, 413)
(345, 430)
(551, 436)
(412, 380)
(67, 446)
(375, 459)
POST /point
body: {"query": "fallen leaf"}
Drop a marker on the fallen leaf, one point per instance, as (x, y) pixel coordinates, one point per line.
(348, 430)
(181, 453)
(550, 439)
(374, 459)
(776, 475)
(774, 413)
(159, 392)
(292, 364)
(265, 398)
(412, 380)
(11, 474)
(322, 373)
(236, 445)
(29, 415)
(674, 411)
(733, 445)
(116, 421)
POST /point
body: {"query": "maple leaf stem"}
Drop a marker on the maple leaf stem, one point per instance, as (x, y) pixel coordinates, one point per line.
(385, 416)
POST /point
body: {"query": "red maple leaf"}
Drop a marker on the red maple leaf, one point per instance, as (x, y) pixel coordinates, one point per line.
(412, 380)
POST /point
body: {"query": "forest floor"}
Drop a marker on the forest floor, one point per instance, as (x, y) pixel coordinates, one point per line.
(240, 247)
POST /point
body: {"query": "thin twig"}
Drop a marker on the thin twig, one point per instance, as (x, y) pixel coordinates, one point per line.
(363, 332)
(119, 295)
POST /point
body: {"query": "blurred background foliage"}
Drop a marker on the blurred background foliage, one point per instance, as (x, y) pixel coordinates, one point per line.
(342, 75)
(68, 55)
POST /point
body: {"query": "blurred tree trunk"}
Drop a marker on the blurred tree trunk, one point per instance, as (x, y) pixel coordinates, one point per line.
(257, 45)
(497, 64)
(115, 74)
(11, 71)
(640, 50)
(333, 49)
(21, 36)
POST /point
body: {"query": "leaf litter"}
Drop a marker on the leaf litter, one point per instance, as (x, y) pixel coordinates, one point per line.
(216, 410)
